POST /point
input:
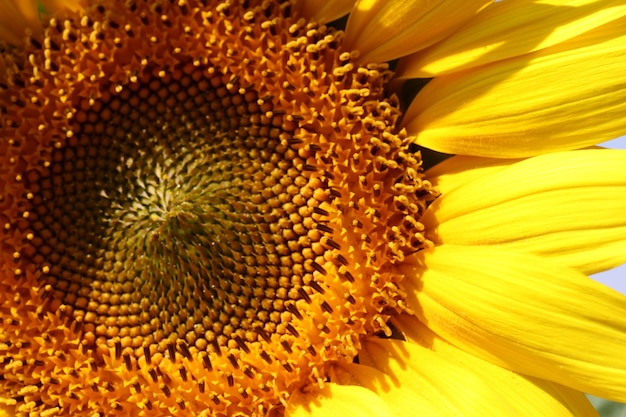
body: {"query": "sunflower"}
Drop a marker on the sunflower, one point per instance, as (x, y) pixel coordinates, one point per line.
(258, 208)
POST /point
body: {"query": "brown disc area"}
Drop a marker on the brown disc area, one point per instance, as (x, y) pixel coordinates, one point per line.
(202, 207)
(168, 219)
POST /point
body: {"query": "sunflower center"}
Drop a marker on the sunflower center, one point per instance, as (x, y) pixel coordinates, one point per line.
(169, 224)
(216, 213)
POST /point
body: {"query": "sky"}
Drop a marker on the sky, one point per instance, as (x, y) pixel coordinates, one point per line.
(615, 278)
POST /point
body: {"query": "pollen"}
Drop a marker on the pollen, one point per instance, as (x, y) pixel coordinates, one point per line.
(204, 207)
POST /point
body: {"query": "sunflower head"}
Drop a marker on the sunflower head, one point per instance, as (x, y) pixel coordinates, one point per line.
(203, 208)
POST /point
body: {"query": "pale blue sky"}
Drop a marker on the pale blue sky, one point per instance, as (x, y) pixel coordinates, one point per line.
(615, 278)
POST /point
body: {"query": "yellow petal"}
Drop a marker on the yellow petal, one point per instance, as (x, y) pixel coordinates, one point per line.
(416, 380)
(323, 11)
(525, 313)
(569, 206)
(507, 29)
(457, 170)
(565, 97)
(540, 397)
(382, 30)
(404, 396)
(409, 377)
(50, 6)
(337, 400)
(15, 17)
